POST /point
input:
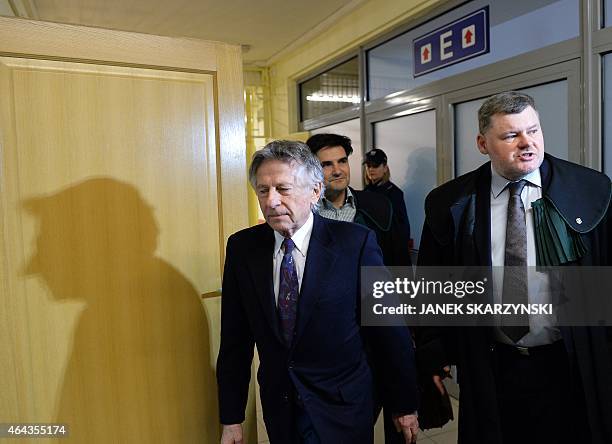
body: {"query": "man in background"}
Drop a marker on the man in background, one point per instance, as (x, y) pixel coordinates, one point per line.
(341, 202)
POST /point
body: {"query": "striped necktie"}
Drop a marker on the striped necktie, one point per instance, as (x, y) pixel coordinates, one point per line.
(515, 261)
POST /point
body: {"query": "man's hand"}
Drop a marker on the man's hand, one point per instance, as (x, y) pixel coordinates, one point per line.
(409, 426)
(437, 379)
(232, 434)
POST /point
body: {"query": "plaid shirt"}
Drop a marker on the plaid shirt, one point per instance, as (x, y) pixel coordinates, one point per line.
(345, 213)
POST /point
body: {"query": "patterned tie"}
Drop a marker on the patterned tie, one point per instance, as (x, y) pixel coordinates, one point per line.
(288, 292)
(515, 259)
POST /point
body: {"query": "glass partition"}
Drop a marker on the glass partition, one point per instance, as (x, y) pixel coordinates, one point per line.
(606, 121)
(410, 144)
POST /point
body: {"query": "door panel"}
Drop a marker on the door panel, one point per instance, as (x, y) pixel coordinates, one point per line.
(111, 204)
(112, 227)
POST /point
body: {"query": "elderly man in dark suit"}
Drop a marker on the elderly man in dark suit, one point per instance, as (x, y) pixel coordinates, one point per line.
(536, 382)
(292, 287)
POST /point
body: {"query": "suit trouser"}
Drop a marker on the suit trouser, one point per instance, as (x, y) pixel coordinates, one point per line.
(305, 429)
(537, 399)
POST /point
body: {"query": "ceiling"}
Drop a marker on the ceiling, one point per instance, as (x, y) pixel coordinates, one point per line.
(266, 28)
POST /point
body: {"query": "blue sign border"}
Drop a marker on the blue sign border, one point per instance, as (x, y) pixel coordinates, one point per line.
(484, 10)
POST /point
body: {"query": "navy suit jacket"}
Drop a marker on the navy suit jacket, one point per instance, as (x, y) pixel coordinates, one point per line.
(326, 365)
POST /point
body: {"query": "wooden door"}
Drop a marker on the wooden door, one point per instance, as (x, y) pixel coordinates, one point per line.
(115, 152)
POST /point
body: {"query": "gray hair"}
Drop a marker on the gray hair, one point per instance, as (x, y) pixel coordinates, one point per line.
(510, 102)
(309, 171)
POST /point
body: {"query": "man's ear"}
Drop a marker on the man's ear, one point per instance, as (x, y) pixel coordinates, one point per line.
(316, 192)
(481, 143)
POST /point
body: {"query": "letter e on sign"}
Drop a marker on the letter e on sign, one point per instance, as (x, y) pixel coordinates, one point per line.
(446, 42)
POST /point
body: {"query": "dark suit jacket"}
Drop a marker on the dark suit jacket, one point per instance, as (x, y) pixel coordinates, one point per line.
(457, 231)
(326, 365)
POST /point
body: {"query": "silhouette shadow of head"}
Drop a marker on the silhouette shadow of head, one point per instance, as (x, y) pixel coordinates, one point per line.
(140, 366)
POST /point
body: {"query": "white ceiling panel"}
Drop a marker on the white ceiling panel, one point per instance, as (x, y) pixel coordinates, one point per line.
(267, 26)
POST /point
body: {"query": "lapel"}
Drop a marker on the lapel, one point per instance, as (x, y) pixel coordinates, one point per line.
(580, 195)
(471, 215)
(260, 264)
(482, 225)
(320, 261)
(545, 175)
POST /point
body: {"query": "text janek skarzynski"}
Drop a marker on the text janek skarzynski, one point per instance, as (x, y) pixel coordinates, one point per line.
(458, 289)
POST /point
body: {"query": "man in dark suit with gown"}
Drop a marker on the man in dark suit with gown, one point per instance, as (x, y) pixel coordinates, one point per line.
(292, 287)
(539, 382)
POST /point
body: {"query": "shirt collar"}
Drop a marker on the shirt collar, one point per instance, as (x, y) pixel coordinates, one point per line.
(301, 238)
(349, 199)
(499, 183)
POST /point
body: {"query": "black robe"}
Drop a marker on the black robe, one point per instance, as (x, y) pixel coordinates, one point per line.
(457, 232)
(376, 212)
(396, 197)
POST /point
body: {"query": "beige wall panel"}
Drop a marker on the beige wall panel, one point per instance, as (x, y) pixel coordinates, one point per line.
(111, 233)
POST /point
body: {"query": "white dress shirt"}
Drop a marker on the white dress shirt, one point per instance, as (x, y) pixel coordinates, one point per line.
(301, 239)
(541, 327)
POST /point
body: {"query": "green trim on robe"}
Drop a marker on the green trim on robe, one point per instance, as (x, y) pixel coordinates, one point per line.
(556, 242)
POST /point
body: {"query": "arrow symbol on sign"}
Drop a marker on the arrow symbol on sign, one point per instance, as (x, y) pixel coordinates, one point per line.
(426, 54)
(468, 37)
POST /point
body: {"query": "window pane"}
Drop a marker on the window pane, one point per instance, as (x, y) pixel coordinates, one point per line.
(517, 27)
(551, 101)
(352, 130)
(606, 121)
(410, 145)
(333, 90)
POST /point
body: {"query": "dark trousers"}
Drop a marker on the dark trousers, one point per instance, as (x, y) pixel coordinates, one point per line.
(537, 396)
(305, 429)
